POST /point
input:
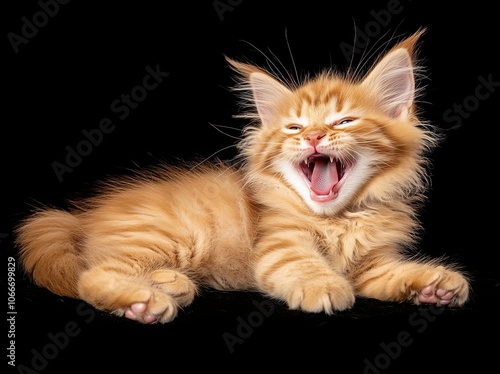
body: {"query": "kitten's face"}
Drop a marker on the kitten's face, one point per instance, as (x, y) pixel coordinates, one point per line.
(333, 140)
(326, 147)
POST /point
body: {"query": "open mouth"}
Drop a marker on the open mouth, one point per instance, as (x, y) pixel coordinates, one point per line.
(324, 175)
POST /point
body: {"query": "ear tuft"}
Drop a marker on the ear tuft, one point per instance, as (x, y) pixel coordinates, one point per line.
(266, 91)
(392, 79)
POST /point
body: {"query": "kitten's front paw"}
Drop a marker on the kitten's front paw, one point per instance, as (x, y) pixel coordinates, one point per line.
(322, 295)
(448, 288)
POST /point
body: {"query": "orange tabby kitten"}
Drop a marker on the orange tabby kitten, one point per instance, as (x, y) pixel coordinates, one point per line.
(322, 209)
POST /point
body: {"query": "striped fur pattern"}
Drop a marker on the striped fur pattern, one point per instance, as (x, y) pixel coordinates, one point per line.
(321, 210)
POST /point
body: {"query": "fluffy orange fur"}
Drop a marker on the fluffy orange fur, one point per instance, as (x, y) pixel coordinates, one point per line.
(321, 210)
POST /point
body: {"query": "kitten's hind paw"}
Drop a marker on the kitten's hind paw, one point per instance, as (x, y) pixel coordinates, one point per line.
(138, 312)
(171, 290)
(147, 299)
(150, 307)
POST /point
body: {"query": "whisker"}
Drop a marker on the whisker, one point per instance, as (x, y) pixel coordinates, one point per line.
(291, 57)
(212, 155)
(352, 56)
(272, 67)
(217, 127)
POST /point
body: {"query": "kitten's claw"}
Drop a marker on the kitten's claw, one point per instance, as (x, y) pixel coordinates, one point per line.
(138, 312)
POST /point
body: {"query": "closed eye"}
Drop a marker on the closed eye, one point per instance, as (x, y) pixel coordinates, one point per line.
(344, 121)
(292, 128)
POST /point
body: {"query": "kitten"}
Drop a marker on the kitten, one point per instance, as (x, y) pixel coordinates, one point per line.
(322, 209)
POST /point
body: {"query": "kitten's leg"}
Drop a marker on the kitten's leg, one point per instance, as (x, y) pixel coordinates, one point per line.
(147, 298)
(422, 282)
(289, 269)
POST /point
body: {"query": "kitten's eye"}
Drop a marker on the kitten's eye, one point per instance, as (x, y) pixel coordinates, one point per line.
(343, 121)
(294, 127)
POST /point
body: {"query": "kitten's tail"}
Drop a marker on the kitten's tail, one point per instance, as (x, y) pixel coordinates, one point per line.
(49, 253)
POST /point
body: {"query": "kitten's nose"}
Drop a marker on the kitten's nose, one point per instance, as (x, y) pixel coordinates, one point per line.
(314, 137)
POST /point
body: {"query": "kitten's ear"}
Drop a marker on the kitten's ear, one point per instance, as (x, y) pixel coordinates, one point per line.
(266, 91)
(392, 79)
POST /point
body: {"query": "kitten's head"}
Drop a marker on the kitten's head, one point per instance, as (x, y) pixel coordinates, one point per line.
(338, 141)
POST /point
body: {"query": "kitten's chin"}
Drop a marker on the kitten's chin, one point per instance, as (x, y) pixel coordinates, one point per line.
(324, 198)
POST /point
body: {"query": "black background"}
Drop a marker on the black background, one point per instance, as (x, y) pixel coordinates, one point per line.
(64, 79)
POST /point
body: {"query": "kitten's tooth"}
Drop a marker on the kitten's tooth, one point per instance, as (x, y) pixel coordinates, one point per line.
(331, 159)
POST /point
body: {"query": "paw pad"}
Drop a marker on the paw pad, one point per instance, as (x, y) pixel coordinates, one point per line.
(432, 295)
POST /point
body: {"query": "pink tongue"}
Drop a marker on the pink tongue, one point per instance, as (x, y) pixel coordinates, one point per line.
(324, 176)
